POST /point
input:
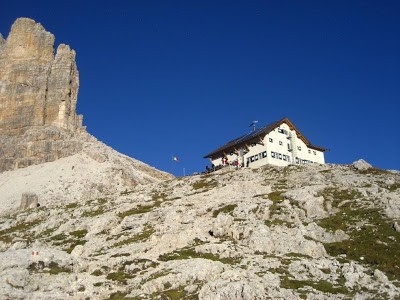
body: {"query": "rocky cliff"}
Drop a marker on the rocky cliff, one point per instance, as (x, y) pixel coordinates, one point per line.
(297, 232)
(38, 95)
(38, 120)
(37, 87)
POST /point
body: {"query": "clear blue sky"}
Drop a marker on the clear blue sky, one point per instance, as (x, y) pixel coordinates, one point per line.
(163, 78)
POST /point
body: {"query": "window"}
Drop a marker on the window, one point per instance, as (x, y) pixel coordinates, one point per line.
(280, 130)
(284, 157)
(297, 160)
(315, 153)
(309, 151)
(280, 143)
(299, 148)
(251, 158)
(273, 154)
(264, 154)
(270, 140)
(280, 156)
(256, 157)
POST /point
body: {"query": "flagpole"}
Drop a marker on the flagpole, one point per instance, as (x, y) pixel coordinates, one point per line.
(184, 172)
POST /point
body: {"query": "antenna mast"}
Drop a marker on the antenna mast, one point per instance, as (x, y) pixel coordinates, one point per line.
(254, 125)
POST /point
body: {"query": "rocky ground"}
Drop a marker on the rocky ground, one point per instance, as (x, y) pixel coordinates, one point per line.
(299, 232)
(94, 170)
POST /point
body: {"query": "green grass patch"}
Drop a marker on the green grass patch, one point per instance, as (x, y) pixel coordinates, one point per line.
(56, 269)
(47, 232)
(175, 294)
(7, 235)
(72, 205)
(158, 196)
(79, 233)
(171, 294)
(393, 187)
(277, 222)
(119, 276)
(189, 253)
(371, 237)
(119, 296)
(158, 275)
(136, 211)
(59, 237)
(53, 268)
(373, 171)
(102, 201)
(92, 213)
(205, 184)
(97, 272)
(322, 285)
(140, 237)
(298, 255)
(281, 184)
(72, 244)
(126, 192)
(69, 242)
(226, 209)
(275, 196)
(263, 196)
(120, 254)
(276, 207)
(145, 263)
(337, 196)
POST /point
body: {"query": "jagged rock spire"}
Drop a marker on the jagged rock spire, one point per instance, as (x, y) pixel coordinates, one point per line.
(37, 88)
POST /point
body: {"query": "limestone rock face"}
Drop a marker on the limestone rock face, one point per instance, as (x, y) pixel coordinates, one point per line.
(37, 88)
(37, 145)
(38, 95)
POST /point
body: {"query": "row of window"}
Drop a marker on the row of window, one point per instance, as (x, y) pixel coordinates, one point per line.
(314, 152)
(303, 161)
(280, 156)
(263, 154)
(258, 156)
(280, 142)
(277, 155)
(298, 147)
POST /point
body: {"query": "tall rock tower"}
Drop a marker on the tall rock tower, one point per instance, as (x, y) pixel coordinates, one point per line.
(38, 94)
(38, 124)
(37, 88)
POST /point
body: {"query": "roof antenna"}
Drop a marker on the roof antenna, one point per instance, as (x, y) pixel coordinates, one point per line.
(254, 125)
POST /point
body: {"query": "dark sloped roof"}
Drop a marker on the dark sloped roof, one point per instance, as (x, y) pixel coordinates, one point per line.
(255, 136)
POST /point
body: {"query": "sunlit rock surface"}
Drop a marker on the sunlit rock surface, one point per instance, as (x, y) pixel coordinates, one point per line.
(231, 234)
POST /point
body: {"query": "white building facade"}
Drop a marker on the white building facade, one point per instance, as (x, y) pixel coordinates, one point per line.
(279, 143)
